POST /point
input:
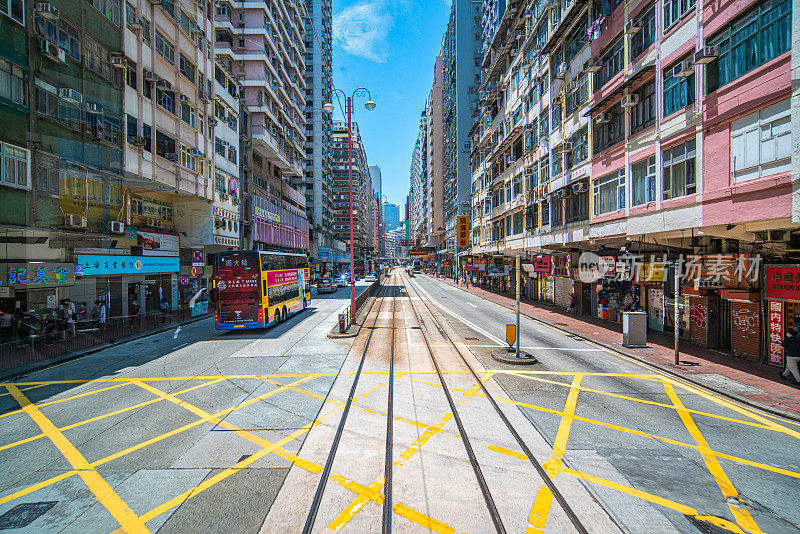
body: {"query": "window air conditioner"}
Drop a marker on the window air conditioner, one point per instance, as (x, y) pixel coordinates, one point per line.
(134, 24)
(633, 26)
(707, 54)
(170, 156)
(136, 140)
(149, 76)
(684, 69)
(94, 108)
(629, 101)
(75, 221)
(118, 61)
(117, 227)
(580, 187)
(70, 95)
(566, 146)
(602, 118)
(51, 50)
(47, 11)
(562, 71)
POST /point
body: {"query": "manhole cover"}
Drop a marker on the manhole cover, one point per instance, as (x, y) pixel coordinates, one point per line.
(23, 515)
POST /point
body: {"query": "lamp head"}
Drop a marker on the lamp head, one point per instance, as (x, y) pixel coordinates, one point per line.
(328, 107)
(369, 104)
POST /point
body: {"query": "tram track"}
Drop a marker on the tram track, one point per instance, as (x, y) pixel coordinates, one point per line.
(326, 472)
(488, 498)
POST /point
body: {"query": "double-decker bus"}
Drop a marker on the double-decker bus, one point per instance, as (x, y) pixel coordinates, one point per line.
(254, 289)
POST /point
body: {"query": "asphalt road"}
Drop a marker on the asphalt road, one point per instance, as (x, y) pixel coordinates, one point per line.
(660, 456)
(195, 430)
(149, 433)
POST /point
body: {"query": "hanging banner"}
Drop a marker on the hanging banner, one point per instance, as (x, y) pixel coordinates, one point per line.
(775, 333)
(462, 231)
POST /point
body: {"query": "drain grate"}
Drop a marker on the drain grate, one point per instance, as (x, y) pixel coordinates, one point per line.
(23, 515)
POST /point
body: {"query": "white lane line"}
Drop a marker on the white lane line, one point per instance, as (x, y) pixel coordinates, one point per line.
(469, 324)
(538, 348)
(179, 346)
(177, 331)
(471, 304)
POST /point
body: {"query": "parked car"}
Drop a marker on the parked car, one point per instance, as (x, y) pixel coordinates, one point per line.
(327, 286)
(342, 281)
(370, 277)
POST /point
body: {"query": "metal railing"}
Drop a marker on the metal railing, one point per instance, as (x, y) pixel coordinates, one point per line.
(29, 342)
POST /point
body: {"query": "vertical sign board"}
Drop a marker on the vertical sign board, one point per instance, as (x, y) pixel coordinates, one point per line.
(775, 333)
(462, 231)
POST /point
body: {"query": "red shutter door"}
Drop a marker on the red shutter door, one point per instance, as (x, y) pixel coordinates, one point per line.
(745, 330)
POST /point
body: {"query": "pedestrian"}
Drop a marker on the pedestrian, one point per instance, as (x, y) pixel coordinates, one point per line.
(96, 313)
(134, 313)
(71, 316)
(791, 351)
(571, 308)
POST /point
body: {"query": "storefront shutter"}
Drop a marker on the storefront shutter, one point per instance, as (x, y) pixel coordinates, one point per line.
(745, 330)
(563, 291)
(698, 321)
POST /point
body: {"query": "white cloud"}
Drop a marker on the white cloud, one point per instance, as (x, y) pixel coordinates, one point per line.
(362, 29)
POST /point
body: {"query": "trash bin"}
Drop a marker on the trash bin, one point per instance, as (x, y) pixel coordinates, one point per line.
(342, 321)
(634, 329)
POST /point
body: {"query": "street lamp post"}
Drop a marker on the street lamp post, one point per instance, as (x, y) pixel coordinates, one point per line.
(328, 108)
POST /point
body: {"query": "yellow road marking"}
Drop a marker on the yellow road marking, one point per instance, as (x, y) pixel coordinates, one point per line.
(105, 416)
(365, 494)
(508, 452)
(23, 389)
(421, 519)
(645, 401)
(101, 489)
(655, 499)
(424, 437)
(144, 444)
(42, 405)
(640, 433)
(743, 517)
(537, 519)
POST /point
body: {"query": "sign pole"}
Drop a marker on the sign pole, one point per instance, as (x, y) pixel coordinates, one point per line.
(677, 318)
(518, 268)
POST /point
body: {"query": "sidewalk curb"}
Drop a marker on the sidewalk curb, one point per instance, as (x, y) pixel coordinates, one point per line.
(664, 369)
(367, 307)
(70, 356)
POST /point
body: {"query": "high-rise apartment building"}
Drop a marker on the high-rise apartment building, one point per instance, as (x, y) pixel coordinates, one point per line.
(317, 178)
(434, 205)
(620, 128)
(362, 192)
(461, 55)
(262, 44)
(391, 216)
(418, 178)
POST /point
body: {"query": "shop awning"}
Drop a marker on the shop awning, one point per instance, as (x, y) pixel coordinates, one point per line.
(527, 267)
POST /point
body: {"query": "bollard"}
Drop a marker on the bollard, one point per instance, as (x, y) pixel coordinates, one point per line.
(342, 322)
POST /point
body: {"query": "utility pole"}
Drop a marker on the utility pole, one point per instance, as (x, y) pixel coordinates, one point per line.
(677, 312)
(518, 268)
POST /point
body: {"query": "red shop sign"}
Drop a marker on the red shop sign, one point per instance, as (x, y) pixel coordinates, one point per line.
(783, 282)
(541, 264)
(775, 333)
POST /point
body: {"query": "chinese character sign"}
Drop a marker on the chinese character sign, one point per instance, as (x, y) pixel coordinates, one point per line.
(783, 282)
(36, 275)
(775, 325)
(462, 231)
(560, 264)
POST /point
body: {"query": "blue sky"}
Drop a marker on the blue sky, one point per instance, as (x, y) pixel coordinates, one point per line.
(388, 46)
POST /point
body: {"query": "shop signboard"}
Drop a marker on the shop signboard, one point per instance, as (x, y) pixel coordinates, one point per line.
(102, 265)
(775, 332)
(651, 273)
(462, 231)
(421, 251)
(154, 244)
(198, 257)
(783, 282)
(36, 275)
(714, 271)
(561, 265)
(607, 266)
(541, 264)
